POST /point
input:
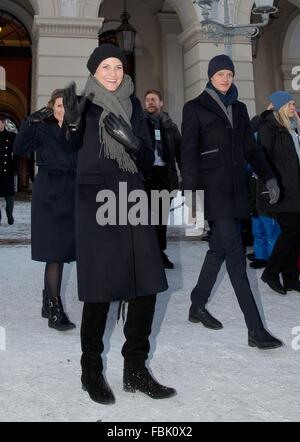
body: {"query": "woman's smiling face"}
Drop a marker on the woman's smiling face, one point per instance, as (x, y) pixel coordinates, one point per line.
(110, 73)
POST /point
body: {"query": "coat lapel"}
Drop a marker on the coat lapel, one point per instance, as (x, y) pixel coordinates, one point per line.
(208, 102)
(235, 115)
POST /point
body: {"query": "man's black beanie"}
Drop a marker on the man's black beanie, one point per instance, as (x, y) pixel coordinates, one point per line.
(219, 63)
(102, 52)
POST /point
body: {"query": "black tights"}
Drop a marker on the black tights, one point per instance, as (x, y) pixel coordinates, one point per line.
(53, 277)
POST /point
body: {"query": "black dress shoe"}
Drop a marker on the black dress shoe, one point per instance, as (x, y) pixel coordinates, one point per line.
(139, 379)
(167, 263)
(258, 264)
(292, 286)
(262, 339)
(98, 389)
(274, 284)
(197, 314)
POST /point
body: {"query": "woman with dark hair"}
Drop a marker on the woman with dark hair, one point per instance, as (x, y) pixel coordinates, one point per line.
(279, 130)
(53, 194)
(117, 261)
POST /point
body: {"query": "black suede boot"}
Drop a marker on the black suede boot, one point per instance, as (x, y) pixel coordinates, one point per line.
(57, 318)
(93, 323)
(45, 305)
(139, 379)
(98, 389)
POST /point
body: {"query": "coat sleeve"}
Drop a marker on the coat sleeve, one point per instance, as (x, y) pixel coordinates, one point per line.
(255, 154)
(190, 149)
(29, 138)
(145, 157)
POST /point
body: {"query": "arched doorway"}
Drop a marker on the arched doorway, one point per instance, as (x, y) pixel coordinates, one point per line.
(16, 62)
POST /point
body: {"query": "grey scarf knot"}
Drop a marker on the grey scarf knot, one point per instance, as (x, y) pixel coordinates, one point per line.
(119, 103)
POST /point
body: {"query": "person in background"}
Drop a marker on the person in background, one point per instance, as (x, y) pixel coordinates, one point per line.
(8, 169)
(217, 144)
(279, 135)
(265, 227)
(53, 199)
(166, 142)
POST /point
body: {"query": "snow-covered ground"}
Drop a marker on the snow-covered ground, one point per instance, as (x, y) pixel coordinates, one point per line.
(217, 376)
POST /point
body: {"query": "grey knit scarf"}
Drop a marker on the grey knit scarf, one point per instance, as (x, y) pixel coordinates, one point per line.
(119, 103)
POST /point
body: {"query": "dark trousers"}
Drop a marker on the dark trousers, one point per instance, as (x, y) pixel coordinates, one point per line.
(160, 181)
(137, 330)
(225, 244)
(286, 250)
(9, 206)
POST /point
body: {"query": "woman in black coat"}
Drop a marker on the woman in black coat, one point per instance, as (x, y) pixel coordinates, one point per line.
(217, 144)
(53, 199)
(279, 135)
(116, 261)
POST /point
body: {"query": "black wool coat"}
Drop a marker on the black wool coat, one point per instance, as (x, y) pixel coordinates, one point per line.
(280, 149)
(8, 163)
(114, 262)
(53, 192)
(214, 157)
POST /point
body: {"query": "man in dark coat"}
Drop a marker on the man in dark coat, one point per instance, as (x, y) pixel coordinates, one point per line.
(8, 169)
(166, 142)
(216, 147)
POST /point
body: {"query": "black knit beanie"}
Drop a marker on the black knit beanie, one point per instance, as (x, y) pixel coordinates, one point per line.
(102, 52)
(219, 63)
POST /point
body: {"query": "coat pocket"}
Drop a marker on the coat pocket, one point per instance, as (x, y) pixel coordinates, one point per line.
(210, 159)
(90, 179)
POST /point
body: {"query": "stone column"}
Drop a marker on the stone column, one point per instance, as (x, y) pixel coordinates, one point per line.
(62, 45)
(172, 59)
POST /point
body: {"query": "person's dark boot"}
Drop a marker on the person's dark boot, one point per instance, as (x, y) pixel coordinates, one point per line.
(57, 318)
(258, 264)
(94, 316)
(197, 314)
(262, 339)
(139, 379)
(292, 286)
(98, 389)
(10, 220)
(45, 305)
(274, 283)
(167, 263)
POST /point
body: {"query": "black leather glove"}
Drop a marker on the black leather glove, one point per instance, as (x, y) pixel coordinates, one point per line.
(40, 115)
(73, 107)
(122, 132)
(274, 191)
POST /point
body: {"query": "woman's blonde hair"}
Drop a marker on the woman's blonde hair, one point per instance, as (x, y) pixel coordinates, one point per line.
(58, 93)
(283, 118)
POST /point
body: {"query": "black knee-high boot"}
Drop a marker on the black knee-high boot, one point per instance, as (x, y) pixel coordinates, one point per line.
(137, 330)
(93, 323)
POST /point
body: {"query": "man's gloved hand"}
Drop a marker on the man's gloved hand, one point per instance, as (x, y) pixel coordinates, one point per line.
(122, 132)
(274, 191)
(73, 107)
(40, 115)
